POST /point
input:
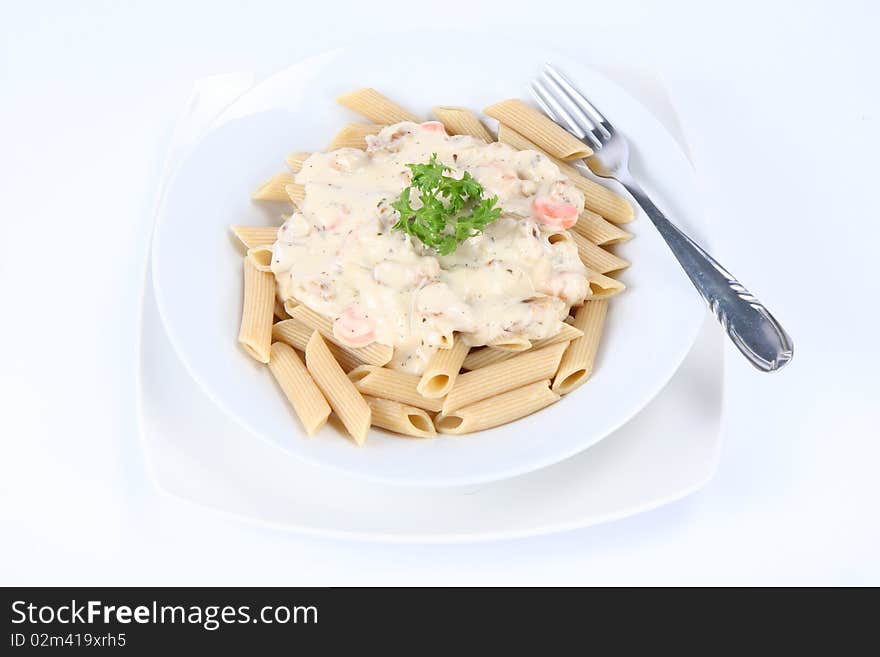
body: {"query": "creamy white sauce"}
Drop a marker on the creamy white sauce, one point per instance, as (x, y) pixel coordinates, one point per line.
(339, 256)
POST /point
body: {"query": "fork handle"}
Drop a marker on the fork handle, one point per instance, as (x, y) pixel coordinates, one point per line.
(747, 322)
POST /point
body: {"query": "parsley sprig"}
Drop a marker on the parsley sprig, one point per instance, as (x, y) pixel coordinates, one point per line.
(452, 209)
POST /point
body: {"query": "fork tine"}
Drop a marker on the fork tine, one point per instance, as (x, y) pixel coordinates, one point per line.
(547, 100)
(539, 98)
(562, 116)
(597, 117)
(544, 106)
(558, 113)
(572, 106)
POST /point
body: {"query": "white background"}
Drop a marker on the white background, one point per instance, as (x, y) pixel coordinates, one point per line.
(780, 104)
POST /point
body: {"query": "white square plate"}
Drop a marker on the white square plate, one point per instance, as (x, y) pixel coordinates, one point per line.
(197, 454)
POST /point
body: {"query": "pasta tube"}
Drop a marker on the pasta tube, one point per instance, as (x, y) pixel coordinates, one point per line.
(596, 258)
(391, 384)
(528, 121)
(500, 409)
(255, 333)
(577, 362)
(252, 236)
(598, 230)
(558, 236)
(372, 105)
(295, 161)
(289, 305)
(461, 121)
(353, 135)
(515, 372)
(400, 418)
(296, 193)
(487, 355)
(261, 256)
(602, 286)
(274, 188)
(442, 371)
(514, 344)
(279, 311)
(343, 397)
(299, 387)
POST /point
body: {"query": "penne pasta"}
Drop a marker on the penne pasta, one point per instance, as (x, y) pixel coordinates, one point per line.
(500, 409)
(531, 123)
(597, 198)
(461, 121)
(442, 370)
(274, 188)
(513, 344)
(297, 334)
(390, 384)
(478, 358)
(558, 236)
(279, 311)
(252, 236)
(483, 356)
(296, 193)
(602, 286)
(289, 305)
(400, 418)
(353, 135)
(603, 201)
(596, 258)
(293, 332)
(372, 105)
(298, 386)
(255, 333)
(509, 136)
(295, 160)
(598, 230)
(261, 256)
(373, 354)
(494, 379)
(577, 362)
(339, 391)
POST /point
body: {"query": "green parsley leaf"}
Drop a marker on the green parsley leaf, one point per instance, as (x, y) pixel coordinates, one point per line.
(452, 209)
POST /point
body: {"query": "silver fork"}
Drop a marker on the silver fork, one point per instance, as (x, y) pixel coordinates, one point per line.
(749, 324)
